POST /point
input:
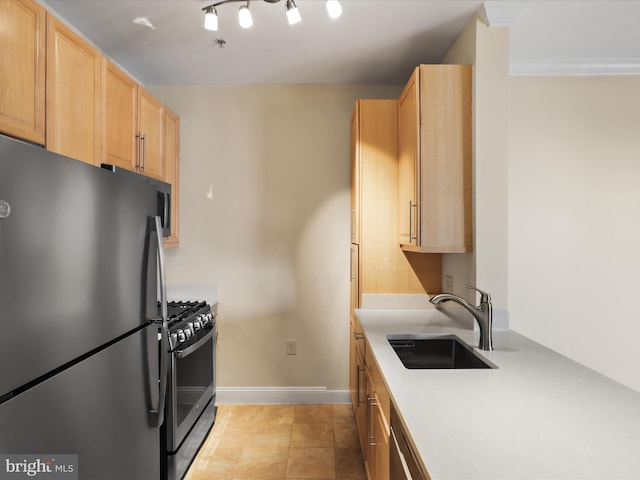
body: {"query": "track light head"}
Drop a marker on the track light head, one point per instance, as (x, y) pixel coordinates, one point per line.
(244, 16)
(293, 14)
(211, 19)
(334, 9)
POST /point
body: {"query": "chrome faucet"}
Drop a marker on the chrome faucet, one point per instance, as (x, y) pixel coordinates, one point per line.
(483, 314)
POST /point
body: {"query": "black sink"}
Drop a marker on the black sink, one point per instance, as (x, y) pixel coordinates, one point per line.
(441, 352)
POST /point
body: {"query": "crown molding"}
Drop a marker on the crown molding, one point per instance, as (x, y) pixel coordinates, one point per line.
(502, 13)
(575, 67)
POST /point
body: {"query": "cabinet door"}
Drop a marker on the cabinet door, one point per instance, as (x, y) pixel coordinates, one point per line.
(22, 70)
(355, 278)
(172, 171)
(445, 159)
(354, 371)
(150, 130)
(120, 117)
(361, 401)
(74, 95)
(355, 174)
(408, 157)
(356, 366)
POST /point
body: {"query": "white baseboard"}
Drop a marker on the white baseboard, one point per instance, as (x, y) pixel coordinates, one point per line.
(280, 395)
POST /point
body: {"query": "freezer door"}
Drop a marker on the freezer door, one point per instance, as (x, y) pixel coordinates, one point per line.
(72, 259)
(96, 409)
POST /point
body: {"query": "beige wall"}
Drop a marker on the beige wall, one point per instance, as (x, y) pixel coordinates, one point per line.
(574, 218)
(265, 208)
(487, 49)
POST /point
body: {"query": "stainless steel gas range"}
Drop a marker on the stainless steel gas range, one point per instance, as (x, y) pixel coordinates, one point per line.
(191, 386)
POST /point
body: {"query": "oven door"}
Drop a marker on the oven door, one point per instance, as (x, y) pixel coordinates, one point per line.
(191, 387)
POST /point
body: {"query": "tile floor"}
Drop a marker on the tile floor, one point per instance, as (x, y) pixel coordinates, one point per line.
(252, 442)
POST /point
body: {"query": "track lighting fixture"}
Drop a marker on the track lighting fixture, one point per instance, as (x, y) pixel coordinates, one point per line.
(334, 9)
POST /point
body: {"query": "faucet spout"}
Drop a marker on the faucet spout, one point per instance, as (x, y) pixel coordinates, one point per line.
(482, 313)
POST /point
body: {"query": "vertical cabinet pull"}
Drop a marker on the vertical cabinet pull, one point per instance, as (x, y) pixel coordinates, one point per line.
(400, 455)
(139, 157)
(142, 151)
(358, 385)
(411, 207)
(371, 402)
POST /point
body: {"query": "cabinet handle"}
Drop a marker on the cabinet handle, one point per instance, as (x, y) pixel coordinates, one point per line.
(144, 152)
(411, 207)
(358, 385)
(403, 461)
(414, 459)
(358, 335)
(139, 157)
(368, 419)
(371, 402)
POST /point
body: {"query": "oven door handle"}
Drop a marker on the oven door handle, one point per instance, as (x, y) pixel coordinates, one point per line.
(193, 347)
(156, 415)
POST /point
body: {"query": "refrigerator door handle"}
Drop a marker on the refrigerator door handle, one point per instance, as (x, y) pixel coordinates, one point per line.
(157, 414)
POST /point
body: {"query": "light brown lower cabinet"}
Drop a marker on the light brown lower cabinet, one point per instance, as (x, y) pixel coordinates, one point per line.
(370, 398)
(378, 455)
(387, 448)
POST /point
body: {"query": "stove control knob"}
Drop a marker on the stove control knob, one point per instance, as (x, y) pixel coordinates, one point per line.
(173, 340)
(181, 336)
(189, 330)
(203, 319)
(197, 325)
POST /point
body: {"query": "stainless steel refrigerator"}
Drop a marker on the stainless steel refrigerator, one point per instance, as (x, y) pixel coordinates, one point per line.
(81, 340)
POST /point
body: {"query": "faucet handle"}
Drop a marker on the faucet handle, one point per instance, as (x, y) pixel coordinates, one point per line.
(484, 296)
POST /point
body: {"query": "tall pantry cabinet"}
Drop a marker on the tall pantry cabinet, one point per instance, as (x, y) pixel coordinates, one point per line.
(382, 266)
(378, 265)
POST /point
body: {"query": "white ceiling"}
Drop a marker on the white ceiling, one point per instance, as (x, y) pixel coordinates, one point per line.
(373, 42)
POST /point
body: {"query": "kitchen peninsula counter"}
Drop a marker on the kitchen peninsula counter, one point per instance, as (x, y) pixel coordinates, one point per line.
(538, 416)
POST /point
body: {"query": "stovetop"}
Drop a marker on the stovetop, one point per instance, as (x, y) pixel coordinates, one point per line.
(180, 310)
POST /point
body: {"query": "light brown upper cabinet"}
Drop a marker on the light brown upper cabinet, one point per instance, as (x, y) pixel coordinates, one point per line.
(150, 134)
(120, 117)
(172, 171)
(74, 95)
(133, 124)
(22, 70)
(434, 179)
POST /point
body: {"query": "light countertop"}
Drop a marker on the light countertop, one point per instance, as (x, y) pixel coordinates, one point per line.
(538, 416)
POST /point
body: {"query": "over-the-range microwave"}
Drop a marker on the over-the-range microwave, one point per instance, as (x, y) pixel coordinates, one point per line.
(163, 199)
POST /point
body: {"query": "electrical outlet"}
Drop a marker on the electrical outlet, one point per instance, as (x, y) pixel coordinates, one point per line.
(448, 284)
(291, 347)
